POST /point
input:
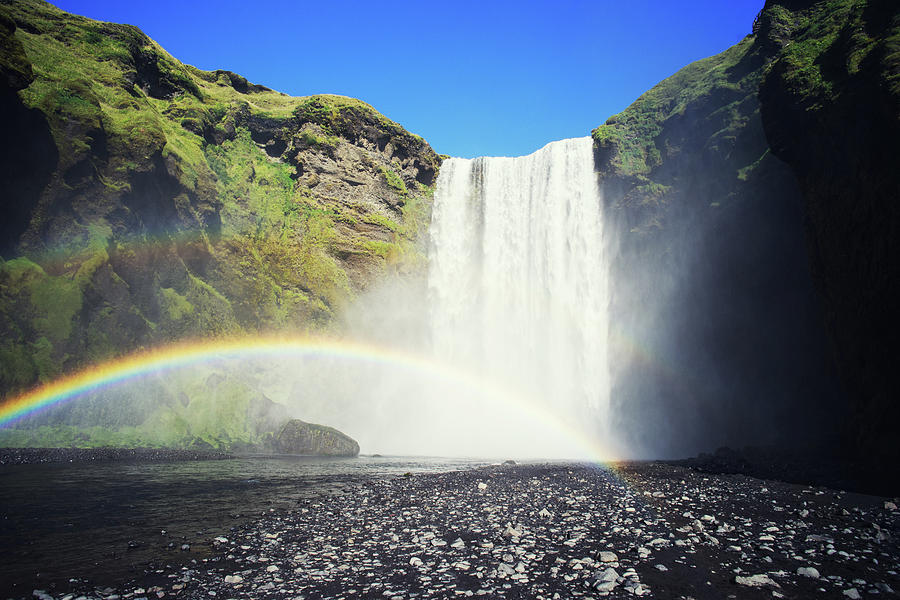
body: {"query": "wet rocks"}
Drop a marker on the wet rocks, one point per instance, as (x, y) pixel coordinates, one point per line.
(808, 572)
(761, 580)
(608, 556)
(300, 437)
(555, 531)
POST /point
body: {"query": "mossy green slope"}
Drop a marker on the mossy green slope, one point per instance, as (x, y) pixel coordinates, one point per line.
(150, 201)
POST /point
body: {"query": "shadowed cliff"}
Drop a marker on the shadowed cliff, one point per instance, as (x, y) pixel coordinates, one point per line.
(749, 198)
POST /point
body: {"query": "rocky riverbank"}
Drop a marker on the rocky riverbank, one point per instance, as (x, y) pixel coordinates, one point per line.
(820, 466)
(550, 531)
(30, 456)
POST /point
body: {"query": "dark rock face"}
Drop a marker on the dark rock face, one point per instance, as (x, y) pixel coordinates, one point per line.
(716, 328)
(27, 154)
(753, 195)
(299, 437)
(834, 116)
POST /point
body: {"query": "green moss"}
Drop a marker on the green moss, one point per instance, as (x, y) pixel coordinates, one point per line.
(652, 190)
(227, 242)
(257, 195)
(213, 311)
(174, 305)
(385, 250)
(745, 172)
(17, 368)
(630, 139)
(54, 301)
(309, 138)
(381, 220)
(394, 181)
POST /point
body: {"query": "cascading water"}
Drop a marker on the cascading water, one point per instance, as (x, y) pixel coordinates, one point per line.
(516, 317)
(518, 284)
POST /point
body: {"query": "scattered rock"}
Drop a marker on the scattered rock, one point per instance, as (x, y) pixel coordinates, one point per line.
(424, 535)
(761, 580)
(608, 557)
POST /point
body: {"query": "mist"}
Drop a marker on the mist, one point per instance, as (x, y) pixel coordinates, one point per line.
(543, 327)
(718, 336)
(514, 301)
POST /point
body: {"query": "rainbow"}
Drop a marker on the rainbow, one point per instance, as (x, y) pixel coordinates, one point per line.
(175, 356)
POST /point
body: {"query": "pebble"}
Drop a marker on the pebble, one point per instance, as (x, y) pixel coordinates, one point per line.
(551, 532)
(608, 557)
(760, 580)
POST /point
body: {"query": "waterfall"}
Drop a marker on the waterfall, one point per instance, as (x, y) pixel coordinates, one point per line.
(518, 285)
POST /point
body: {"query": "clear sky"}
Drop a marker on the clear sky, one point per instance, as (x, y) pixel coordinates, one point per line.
(472, 77)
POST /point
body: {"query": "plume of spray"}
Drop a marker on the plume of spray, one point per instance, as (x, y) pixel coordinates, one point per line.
(498, 351)
(516, 296)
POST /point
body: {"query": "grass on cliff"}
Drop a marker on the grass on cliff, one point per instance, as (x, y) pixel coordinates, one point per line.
(632, 135)
(631, 138)
(242, 248)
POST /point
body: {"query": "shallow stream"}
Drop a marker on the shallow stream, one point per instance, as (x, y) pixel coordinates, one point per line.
(107, 521)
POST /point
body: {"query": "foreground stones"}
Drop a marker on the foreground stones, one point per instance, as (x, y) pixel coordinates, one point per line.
(550, 532)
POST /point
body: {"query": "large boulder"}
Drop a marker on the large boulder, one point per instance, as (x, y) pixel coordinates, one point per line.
(300, 437)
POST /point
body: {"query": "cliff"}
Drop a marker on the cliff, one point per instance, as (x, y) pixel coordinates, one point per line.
(751, 201)
(831, 110)
(147, 201)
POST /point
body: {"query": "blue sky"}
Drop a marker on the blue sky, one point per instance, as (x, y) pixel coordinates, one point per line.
(473, 78)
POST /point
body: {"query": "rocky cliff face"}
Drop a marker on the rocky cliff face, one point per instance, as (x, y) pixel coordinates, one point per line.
(728, 344)
(726, 183)
(298, 437)
(831, 110)
(146, 201)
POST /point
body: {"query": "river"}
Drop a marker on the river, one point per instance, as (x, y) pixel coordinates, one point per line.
(107, 522)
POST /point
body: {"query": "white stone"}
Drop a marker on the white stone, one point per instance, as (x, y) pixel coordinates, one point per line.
(608, 575)
(808, 572)
(761, 580)
(608, 557)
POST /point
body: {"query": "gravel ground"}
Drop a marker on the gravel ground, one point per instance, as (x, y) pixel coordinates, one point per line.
(550, 531)
(30, 456)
